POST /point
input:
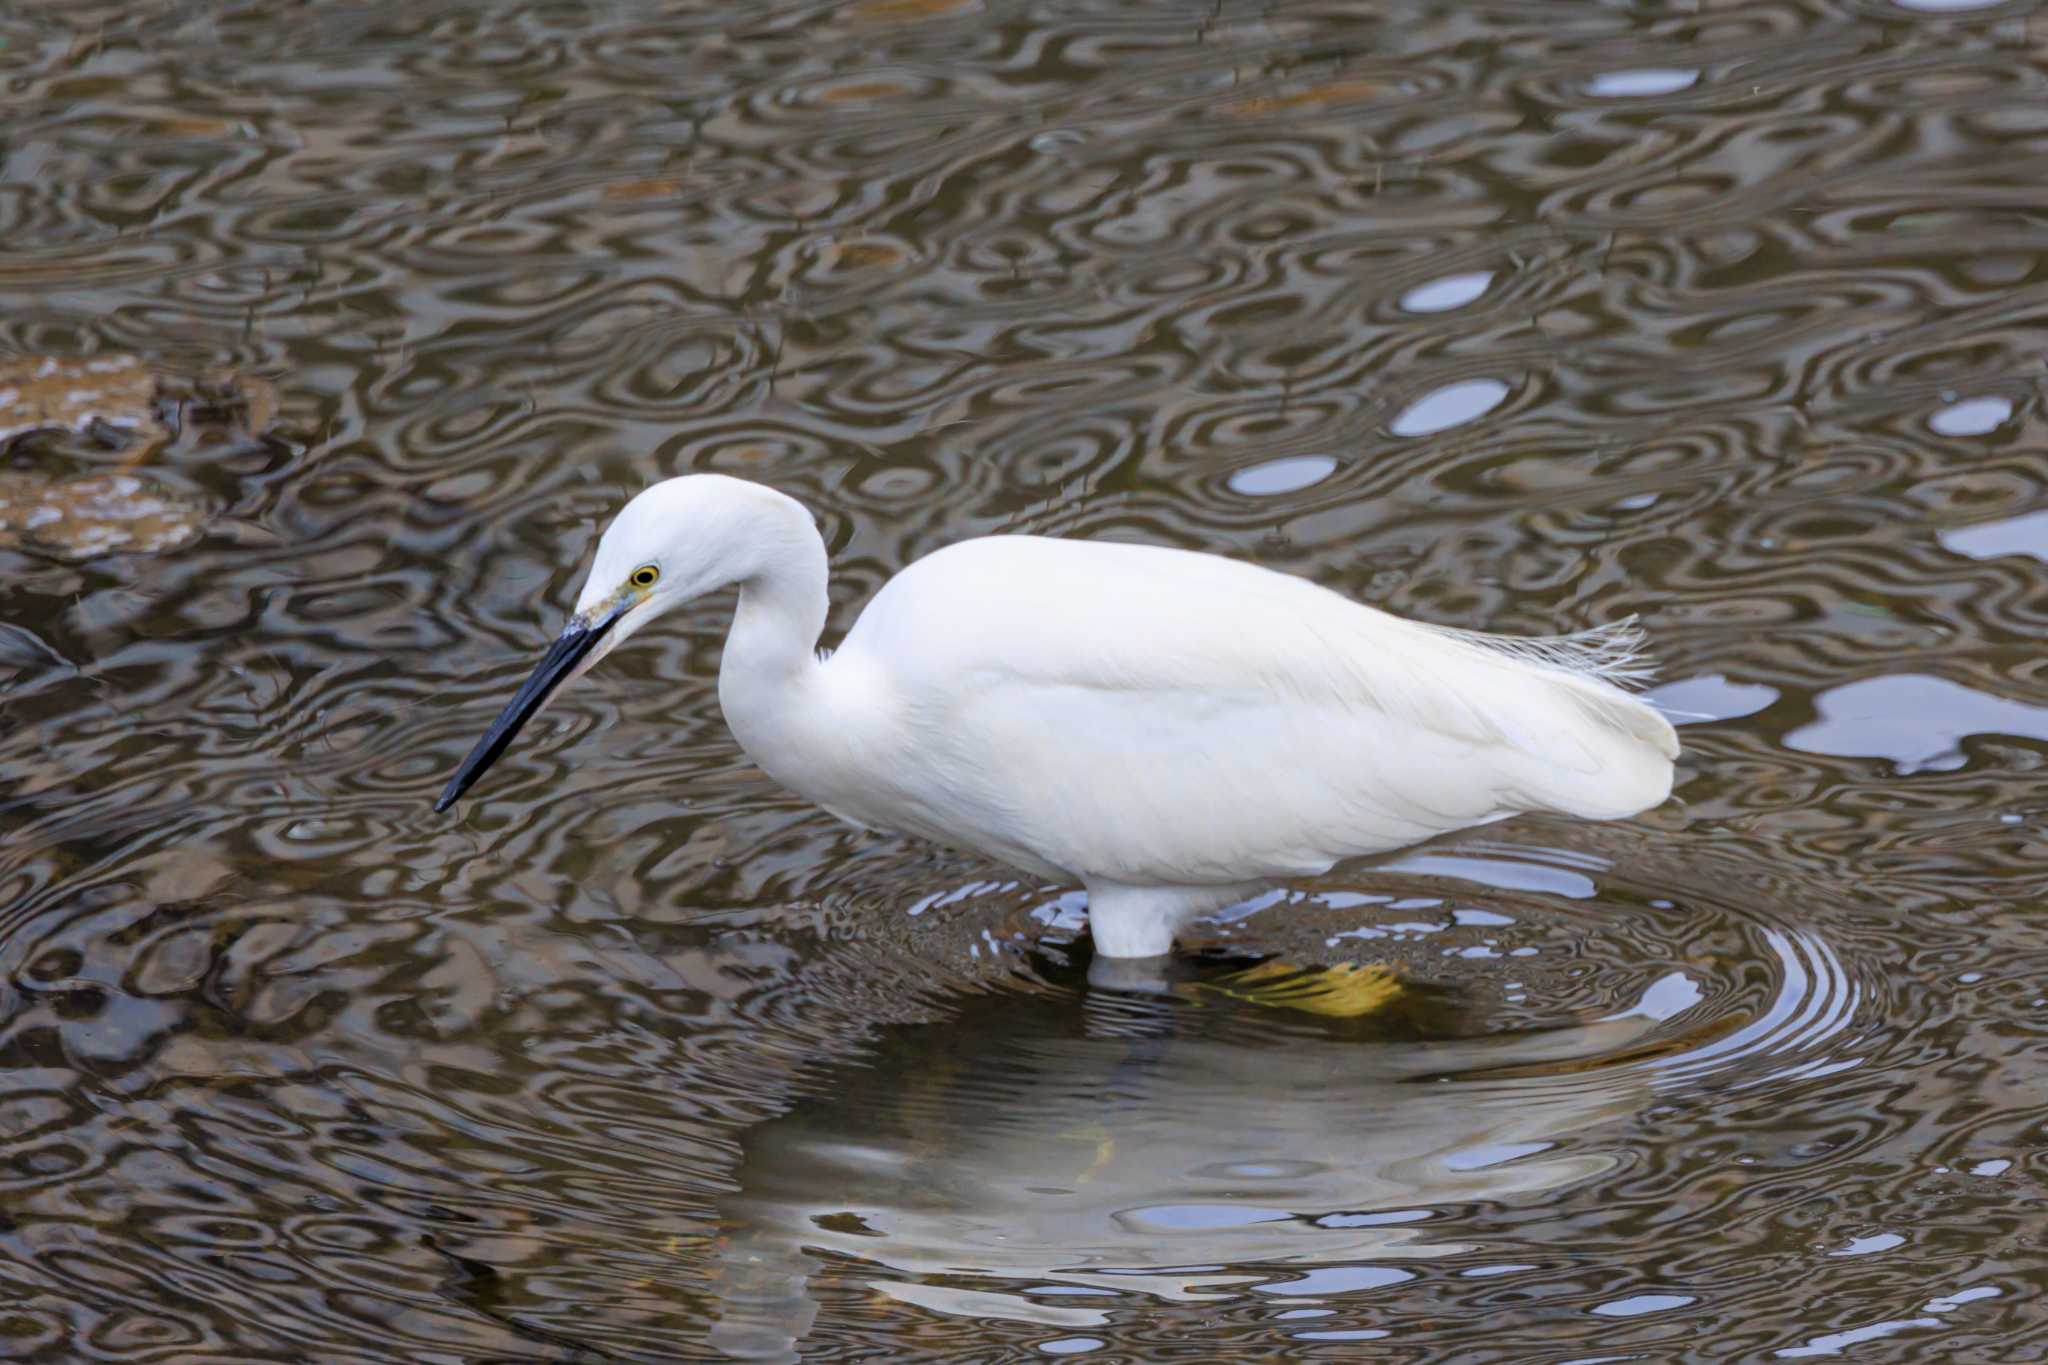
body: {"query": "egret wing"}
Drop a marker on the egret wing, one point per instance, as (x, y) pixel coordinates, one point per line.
(1156, 716)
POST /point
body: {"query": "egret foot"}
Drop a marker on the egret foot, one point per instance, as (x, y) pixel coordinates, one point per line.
(1346, 990)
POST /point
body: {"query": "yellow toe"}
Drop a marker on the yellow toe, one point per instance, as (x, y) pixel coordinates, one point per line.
(1346, 990)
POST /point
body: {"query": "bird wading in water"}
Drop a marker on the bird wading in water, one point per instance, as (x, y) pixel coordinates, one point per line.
(1175, 731)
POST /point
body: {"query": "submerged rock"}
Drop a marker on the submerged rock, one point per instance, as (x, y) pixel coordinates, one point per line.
(123, 403)
(120, 403)
(110, 396)
(98, 514)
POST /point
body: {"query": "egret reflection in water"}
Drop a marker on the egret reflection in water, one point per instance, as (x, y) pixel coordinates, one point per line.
(1141, 1144)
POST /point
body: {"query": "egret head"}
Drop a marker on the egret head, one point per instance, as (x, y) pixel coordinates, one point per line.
(673, 542)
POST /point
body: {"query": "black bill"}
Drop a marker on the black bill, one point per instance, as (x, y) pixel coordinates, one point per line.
(562, 662)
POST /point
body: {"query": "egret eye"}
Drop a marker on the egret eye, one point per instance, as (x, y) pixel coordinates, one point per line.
(644, 576)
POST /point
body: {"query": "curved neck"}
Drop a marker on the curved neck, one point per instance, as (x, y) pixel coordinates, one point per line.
(773, 645)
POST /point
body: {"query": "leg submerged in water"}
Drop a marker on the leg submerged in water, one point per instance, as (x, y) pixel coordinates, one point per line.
(1140, 921)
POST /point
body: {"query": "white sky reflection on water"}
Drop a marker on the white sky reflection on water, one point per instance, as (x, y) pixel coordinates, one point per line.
(1972, 417)
(1452, 291)
(1914, 719)
(1663, 80)
(1275, 477)
(2026, 534)
(1450, 406)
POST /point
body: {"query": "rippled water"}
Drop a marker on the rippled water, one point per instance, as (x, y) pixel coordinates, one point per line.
(1513, 316)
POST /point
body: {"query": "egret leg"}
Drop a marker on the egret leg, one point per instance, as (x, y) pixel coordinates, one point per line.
(1140, 921)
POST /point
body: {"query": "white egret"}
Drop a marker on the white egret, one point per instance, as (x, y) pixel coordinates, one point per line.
(1175, 731)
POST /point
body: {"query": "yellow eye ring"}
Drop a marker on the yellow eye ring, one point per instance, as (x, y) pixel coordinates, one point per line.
(644, 576)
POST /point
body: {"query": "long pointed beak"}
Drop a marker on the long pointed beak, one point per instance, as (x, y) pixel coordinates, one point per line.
(574, 650)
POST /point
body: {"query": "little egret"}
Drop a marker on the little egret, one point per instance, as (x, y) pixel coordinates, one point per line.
(1175, 731)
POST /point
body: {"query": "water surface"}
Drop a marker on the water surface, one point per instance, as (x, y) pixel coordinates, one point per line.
(1503, 316)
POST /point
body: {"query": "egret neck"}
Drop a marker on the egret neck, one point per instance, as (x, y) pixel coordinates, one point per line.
(770, 679)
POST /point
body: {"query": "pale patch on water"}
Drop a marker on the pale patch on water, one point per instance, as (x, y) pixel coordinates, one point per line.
(1450, 406)
(1647, 81)
(1452, 291)
(1915, 720)
(1275, 477)
(1971, 417)
(2026, 534)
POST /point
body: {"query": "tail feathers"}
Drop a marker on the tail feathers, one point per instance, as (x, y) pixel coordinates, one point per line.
(1615, 758)
(1630, 716)
(1613, 653)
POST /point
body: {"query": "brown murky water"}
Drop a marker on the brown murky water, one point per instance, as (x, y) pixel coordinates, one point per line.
(1503, 315)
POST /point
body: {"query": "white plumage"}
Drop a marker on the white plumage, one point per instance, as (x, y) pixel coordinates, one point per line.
(1173, 730)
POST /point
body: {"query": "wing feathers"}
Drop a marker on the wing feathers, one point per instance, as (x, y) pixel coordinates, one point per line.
(1205, 673)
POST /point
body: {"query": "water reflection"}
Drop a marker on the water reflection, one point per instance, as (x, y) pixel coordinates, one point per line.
(1972, 417)
(1450, 406)
(1275, 477)
(1916, 721)
(1649, 81)
(1153, 1150)
(1710, 696)
(1036, 1162)
(1452, 291)
(2026, 534)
